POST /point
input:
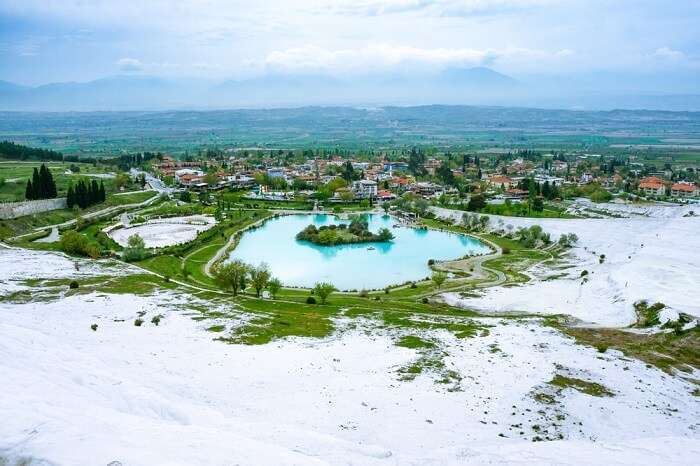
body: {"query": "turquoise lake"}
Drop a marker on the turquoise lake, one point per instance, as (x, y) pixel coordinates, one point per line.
(349, 266)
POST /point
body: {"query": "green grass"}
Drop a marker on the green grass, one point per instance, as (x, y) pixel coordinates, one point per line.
(583, 386)
(414, 341)
(669, 352)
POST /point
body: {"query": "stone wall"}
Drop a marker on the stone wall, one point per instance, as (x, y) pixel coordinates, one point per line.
(18, 209)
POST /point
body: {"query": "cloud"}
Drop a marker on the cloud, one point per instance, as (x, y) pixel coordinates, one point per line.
(428, 7)
(666, 53)
(384, 57)
(129, 65)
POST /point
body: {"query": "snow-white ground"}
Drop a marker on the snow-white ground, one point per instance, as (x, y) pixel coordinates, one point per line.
(165, 232)
(619, 208)
(657, 259)
(170, 395)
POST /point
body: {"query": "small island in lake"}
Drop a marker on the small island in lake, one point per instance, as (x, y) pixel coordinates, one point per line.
(356, 232)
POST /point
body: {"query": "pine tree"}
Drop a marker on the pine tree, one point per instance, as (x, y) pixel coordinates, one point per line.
(29, 192)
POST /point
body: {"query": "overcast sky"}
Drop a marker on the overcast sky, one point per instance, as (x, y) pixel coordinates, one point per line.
(80, 40)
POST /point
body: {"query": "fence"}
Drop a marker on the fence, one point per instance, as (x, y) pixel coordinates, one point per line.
(10, 210)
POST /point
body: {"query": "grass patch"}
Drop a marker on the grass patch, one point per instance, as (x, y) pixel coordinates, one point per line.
(583, 386)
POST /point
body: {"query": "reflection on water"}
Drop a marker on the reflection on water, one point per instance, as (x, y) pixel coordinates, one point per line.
(350, 266)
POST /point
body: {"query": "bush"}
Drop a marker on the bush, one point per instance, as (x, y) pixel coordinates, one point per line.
(364, 293)
(431, 261)
(94, 327)
(73, 285)
(156, 320)
(386, 290)
(73, 242)
(310, 300)
(584, 273)
(506, 250)
(413, 285)
(138, 322)
(424, 300)
(602, 348)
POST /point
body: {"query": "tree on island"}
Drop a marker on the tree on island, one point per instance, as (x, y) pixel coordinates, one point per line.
(323, 290)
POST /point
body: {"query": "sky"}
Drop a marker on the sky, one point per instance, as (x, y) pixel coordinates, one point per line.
(82, 40)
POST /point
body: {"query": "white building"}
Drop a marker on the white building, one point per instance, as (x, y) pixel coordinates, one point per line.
(365, 188)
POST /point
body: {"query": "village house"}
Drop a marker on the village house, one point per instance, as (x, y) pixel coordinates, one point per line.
(653, 186)
(684, 189)
(425, 188)
(500, 181)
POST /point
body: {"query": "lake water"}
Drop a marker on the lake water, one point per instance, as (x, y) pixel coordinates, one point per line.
(349, 266)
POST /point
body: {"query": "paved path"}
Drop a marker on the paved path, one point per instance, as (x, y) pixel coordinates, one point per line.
(95, 214)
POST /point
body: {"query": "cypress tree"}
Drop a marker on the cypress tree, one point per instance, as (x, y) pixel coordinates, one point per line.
(51, 185)
(29, 192)
(70, 197)
(103, 196)
(44, 187)
(94, 192)
(36, 183)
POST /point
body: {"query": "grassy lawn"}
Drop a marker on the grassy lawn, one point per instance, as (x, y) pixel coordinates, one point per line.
(16, 175)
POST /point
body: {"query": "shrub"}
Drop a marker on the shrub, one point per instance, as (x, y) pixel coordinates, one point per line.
(73, 242)
(386, 290)
(506, 250)
(584, 273)
(413, 285)
(364, 293)
(136, 249)
(424, 300)
(94, 327)
(73, 285)
(310, 300)
(602, 348)
(156, 319)
(431, 261)
(138, 322)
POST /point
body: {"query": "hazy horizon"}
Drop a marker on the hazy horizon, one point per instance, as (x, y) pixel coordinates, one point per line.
(107, 55)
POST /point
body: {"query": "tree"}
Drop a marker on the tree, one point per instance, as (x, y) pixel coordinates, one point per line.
(274, 285)
(444, 172)
(70, 197)
(476, 203)
(135, 249)
(29, 191)
(186, 196)
(537, 204)
(420, 205)
(231, 275)
(439, 278)
(36, 184)
(323, 290)
(348, 172)
(259, 277)
(386, 206)
(385, 235)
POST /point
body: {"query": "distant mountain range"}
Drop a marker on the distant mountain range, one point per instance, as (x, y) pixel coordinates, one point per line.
(474, 86)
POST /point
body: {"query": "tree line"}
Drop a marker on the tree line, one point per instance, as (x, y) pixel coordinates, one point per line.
(41, 186)
(85, 193)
